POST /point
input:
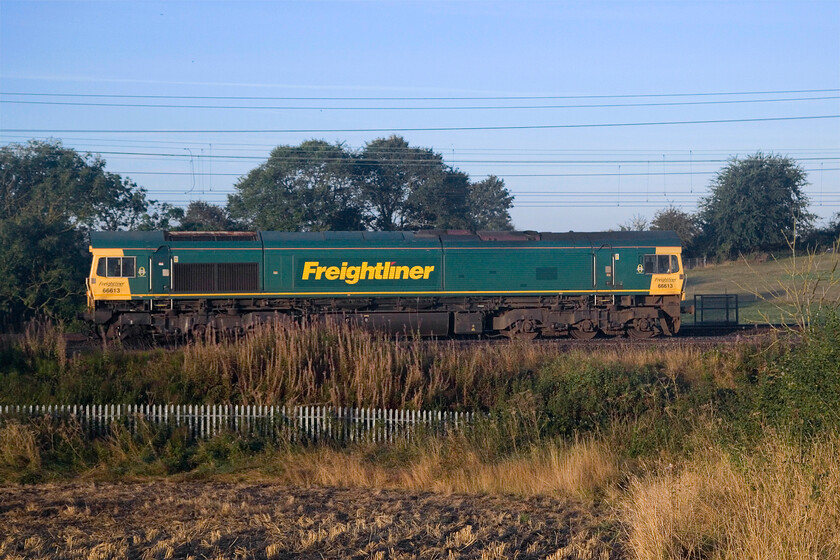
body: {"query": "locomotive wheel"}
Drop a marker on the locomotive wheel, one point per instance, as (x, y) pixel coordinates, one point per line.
(522, 330)
(584, 330)
(640, 335)
(578, 334)
(204, 333)
(641, 329)
(132, 336)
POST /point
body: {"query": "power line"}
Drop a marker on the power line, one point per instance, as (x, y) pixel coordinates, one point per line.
(419, 129)
(422, 98)
(427, 162)
(503, 150)
(408, 160)
(414, 108)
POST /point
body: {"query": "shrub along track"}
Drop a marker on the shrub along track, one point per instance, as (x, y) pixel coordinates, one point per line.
(253, 520)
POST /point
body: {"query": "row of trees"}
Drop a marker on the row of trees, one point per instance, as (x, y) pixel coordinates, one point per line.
(388, 185)
(50, 196)
(756, 203)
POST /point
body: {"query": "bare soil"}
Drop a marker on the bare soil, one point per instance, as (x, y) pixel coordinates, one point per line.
(246, 520)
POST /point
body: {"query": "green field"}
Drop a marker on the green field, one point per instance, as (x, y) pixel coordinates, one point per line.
(772, 289)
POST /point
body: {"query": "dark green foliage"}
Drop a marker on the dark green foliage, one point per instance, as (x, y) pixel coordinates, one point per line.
(42, 267)
(802, 390)
(203, 216)
(411, 188)
(673, 219)
(757, 203)
(826, 237)
(489, 202)
(388, 185)
(49, 197)
(300, 188)
(391, 174)
(591, 397)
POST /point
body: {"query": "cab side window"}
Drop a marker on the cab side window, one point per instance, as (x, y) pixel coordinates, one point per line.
(660, 264)
(128, 267)
(116, 267)
(651, 263)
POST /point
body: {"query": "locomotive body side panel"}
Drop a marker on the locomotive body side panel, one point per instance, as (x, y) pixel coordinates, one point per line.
(438, 282)
(350, 264)
(526, 270)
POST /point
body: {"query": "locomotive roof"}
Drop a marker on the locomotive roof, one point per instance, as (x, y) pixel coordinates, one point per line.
(429, 238)
(126, 239)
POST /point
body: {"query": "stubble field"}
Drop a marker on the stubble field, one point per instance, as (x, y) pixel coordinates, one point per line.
(253, 520)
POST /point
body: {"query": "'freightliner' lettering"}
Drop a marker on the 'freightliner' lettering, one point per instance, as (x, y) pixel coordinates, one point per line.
(378, 271)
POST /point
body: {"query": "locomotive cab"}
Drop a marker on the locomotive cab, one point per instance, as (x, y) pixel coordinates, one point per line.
(667, 276)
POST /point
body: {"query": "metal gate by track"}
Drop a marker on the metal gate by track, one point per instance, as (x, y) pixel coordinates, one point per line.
(715, 310)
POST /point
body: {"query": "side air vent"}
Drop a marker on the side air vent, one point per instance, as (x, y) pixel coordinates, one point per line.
(216, 277)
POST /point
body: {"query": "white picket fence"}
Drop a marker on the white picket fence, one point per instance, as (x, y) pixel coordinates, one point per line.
(301, 424)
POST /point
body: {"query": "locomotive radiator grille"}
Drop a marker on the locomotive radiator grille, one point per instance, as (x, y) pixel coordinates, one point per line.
(216, 277)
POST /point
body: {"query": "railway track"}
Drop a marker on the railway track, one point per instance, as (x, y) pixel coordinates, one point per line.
(705, 335)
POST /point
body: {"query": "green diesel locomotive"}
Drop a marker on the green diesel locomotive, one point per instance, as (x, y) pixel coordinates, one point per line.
(517, 284)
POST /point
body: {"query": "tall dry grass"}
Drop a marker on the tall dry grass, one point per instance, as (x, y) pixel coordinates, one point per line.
(333, 364)
(776, 501)
(584, 469)
(20, 456)
(18, 448)
(40, 339)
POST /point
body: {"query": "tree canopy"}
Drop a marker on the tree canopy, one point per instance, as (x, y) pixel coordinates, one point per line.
(489, 202)
(300, 188)
(49, 197)
(757, 203)
(388, 185)
(411, 188)
(676, 220)
(203, 216)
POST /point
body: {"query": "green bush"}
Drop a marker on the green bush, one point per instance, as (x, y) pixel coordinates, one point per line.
(802, 390)
(595, 395)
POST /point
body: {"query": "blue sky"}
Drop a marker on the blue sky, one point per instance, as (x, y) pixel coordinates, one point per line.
(581, 178)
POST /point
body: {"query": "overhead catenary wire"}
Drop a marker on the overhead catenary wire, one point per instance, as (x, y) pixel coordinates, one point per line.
(413, 129)
(300, 156)
(423, 98)
(698, 161)
(244, 146)
(414, 108)
(500, 175)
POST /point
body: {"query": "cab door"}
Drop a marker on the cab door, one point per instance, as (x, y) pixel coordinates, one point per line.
(604, 268)
(161, 271)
